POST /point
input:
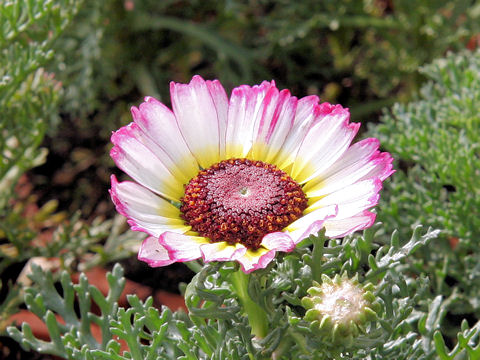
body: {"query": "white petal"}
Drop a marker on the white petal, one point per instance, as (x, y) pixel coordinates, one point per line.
(182, 247)
(273, 124)
(361, 161)
(153, 253)
(278, 241)
(256, 259)
(326, 141)
(317, 215)
(197, 119)
(341, 227)
(246, 103)
(146, 211)
(311, 223)
(306, 113)
(352, 199)
(220, 100)
(159, 123)
(133, 156)
(222, 251)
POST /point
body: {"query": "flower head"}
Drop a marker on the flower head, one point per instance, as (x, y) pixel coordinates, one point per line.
(242, 178)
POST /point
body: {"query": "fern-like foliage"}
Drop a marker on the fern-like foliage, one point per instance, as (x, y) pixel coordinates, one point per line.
(29, 98)
(408, 324)
(437, 140)
(28, 95)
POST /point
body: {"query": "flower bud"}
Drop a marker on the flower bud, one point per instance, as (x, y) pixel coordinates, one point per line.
(340, 308)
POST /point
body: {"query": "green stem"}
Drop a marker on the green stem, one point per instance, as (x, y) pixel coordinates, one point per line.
(194, 265)
(257, 317)
(317, 254)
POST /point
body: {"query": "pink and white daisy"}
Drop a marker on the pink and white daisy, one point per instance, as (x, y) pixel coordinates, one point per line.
(239, 179)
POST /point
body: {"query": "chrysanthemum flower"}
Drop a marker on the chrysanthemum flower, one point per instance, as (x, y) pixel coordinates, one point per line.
(242, 178)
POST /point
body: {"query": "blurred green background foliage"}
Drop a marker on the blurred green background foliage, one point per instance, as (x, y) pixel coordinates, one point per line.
(354, 52)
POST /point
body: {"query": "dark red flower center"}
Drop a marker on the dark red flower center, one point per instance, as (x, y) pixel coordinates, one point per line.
(240, 201)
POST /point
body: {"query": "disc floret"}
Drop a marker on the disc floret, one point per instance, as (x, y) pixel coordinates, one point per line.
(340, 308)
(240, 201)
